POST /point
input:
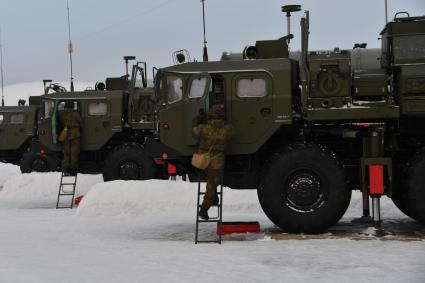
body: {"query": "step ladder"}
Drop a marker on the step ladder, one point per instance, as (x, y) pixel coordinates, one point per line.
(67, 188)
(216, 218)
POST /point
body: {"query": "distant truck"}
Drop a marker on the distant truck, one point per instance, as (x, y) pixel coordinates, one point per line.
(117, 118)
(17, 128)
(311, 130)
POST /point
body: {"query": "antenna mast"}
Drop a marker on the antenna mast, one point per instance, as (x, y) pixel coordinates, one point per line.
(70, 47)
(205, 57)
(1, 69)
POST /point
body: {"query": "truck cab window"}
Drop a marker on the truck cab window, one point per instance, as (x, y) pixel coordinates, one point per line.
(98, 108)
(197, 87)
(17, 119)
(252, 87)
(174, 89)
(1, 119)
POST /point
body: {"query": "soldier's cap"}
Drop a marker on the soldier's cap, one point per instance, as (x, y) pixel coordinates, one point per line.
(69, 104)
(216, 112)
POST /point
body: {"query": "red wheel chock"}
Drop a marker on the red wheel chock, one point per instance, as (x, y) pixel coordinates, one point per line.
(238, 227)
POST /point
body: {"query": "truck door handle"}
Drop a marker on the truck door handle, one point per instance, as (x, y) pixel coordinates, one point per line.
(265, 112)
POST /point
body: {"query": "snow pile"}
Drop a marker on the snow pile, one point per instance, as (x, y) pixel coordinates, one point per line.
(157, 196)
(40, 189)
(7, 171)
(12, 93)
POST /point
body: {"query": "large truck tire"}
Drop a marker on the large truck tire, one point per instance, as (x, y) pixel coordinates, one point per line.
(128, 162)
(304, 189)
(413, 195)
(400, 199)
(34, 162)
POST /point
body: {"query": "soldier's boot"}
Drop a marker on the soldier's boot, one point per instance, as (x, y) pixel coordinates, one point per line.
(203, 213)
(215, 201)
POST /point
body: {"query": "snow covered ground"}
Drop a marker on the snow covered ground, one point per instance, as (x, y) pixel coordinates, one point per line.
(144, 232)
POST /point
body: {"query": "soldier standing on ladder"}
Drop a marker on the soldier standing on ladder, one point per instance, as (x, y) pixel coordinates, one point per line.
(213, 137)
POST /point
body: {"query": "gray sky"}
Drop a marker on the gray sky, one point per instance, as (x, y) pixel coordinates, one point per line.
(35, 32)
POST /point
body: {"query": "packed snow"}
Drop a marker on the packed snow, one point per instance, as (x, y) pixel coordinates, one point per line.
(143, 231)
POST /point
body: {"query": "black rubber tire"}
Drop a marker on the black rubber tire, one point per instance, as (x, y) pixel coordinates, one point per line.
(413, 196)
(128, 162)
(400, 199)
(34, 162)
(304, 189)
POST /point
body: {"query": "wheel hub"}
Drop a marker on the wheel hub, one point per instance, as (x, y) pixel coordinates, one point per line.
(304, 191)
(129, 170)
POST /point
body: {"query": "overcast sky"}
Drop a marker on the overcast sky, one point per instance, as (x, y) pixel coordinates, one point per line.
(35, 35)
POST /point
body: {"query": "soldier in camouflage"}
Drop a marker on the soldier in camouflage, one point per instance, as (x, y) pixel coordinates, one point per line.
(72, 123)
(213, 136)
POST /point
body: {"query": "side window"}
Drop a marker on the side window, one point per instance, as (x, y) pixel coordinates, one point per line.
(98, 108)
(17, 119)
(252, 87)
(1, 119)
(197, 87)
(48, 106)
(175, 89)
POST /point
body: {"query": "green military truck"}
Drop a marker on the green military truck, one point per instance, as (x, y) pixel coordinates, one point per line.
(308, 131)
(117, 117)
(18, 125)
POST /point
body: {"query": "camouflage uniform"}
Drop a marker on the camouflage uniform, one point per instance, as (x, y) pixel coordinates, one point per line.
(215, 135)
(71, 151)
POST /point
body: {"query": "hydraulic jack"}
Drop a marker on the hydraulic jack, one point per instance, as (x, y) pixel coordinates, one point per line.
(374, 165)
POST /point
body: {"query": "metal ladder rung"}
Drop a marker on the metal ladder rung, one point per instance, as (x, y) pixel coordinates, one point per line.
(69, 192)
(217, 219)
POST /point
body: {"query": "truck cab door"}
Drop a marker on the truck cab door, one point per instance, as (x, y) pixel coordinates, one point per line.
(196, 99)
(47, 124)
(182, 96)
(98, 127)
(3, 132)
(252, 110)
(19, 130)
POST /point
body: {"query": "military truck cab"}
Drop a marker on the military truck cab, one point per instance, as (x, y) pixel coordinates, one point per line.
(257, 96)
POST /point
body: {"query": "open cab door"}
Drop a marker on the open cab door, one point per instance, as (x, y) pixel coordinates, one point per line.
(182, 96)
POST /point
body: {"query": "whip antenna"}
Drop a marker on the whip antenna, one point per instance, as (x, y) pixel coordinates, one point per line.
(205, 57)
(1, 69)
(386, 12)
(70, 47)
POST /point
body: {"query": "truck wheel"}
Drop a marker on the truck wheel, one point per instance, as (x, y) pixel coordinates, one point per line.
(414, 185)
(33, 162)
(304, 189)
(128, 163)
